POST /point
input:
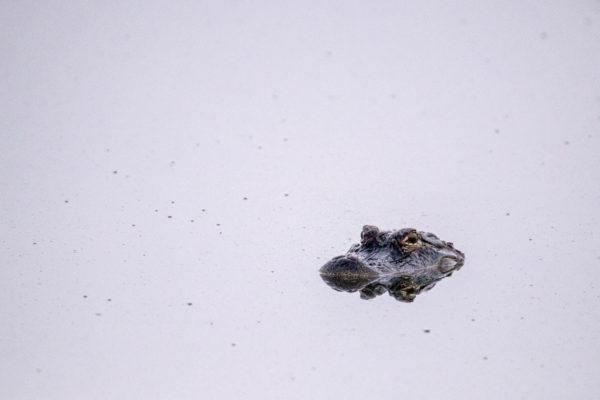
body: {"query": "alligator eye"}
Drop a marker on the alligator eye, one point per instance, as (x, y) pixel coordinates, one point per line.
(411, 239)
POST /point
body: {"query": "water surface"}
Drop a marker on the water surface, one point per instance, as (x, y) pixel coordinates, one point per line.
(173, 178)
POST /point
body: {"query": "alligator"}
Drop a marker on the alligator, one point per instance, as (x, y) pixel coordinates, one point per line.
(403, 262)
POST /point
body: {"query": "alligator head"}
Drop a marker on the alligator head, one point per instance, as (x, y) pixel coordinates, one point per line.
(403, 262)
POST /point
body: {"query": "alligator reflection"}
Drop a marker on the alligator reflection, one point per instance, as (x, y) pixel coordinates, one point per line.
(402, 262)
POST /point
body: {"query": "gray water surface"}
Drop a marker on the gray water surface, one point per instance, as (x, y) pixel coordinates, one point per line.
(173, 176)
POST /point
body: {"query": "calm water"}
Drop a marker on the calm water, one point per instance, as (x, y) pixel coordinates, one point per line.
(174, 176)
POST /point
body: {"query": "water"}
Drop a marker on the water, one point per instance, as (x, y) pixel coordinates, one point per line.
(173, 177)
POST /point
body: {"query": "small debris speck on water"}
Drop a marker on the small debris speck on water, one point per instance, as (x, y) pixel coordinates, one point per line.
(66, 201)
(85, 296)
(170, 216)
(286, 195)
(108, 299)
(245, 198)
(115, 172)
(507, 214)
(233, 344)
(189, 304)
(426, 330)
